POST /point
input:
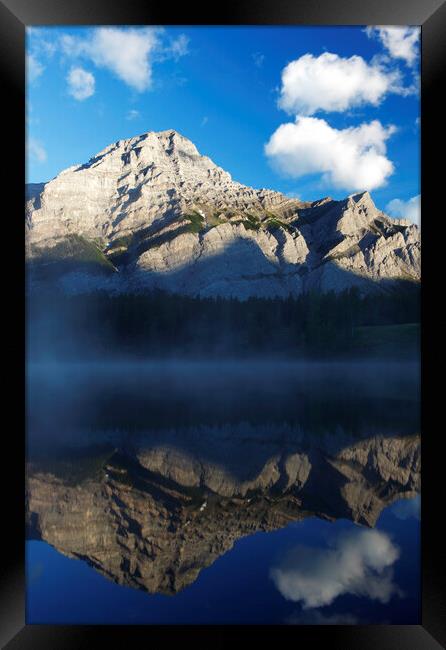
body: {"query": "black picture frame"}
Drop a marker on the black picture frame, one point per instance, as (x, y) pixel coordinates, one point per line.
(15, 15)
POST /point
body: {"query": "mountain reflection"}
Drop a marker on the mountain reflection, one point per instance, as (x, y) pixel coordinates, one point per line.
(154, 516)
(150, 473)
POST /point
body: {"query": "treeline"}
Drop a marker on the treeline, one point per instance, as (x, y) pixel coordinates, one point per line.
(160, 324)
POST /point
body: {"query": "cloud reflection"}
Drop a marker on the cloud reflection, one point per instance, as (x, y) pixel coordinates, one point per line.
(408, 509)
(315, 617)
(358, 563)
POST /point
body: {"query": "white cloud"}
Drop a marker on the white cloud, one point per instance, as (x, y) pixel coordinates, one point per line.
(258, 59)
(36, 150)
(352, 158)
(204, 121)
(33, 67)
(410, 209)
(293, 195)
(40, 40)
(127, 53)
(358, 564)
(179, 46)
(39, 50)
(315, 617)
(332, 83)
(81, 83)
(400, 42)
(133, 114)
(30, 117)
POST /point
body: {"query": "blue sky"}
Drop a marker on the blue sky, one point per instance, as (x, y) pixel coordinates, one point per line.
(307, 111)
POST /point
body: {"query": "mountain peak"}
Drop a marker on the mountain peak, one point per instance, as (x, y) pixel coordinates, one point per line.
(170, 133)
(363, 198)
(361, 195)
(166, 134)
(166, 138)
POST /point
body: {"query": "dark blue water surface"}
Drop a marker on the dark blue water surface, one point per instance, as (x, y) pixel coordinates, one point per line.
(195, 494)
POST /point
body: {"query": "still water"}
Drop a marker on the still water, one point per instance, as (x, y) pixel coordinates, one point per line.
(264, 493)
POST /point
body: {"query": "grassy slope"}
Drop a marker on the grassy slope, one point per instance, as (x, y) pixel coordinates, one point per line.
(72, 253)
(388, 339)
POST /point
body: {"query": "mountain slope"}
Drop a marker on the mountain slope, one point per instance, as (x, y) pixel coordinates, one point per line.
(152, 212)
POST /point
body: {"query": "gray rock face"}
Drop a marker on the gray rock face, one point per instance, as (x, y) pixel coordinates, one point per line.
(153, 519)
(152, 212)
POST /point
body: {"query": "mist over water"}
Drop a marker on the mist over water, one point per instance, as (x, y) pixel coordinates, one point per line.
(162, 326)
(65, 401)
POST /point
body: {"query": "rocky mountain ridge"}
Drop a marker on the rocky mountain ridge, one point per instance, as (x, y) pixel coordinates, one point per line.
(151, 212)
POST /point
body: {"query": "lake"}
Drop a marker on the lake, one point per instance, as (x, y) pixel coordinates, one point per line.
(201, 493)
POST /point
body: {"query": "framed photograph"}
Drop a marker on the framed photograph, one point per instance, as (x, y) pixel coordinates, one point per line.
(225, 378)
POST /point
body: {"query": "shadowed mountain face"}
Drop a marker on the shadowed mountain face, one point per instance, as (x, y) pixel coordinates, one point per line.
(151, 212)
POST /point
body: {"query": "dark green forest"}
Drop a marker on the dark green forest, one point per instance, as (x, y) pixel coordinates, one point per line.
(160, 324)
